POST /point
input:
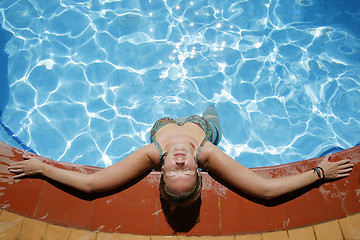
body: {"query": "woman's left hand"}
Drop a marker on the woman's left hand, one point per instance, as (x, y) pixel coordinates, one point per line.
(334, 170)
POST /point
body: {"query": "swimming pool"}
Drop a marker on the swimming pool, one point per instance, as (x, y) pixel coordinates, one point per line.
(87, 79)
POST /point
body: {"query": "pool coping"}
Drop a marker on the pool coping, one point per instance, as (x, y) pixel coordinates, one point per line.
(137, 209)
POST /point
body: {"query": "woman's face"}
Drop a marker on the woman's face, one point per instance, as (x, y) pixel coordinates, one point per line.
(179, 169)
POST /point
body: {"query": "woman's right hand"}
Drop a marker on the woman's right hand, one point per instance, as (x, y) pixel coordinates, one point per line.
(31, 166)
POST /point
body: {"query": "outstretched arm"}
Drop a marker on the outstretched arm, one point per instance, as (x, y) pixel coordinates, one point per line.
(249, 182)
(134, 165)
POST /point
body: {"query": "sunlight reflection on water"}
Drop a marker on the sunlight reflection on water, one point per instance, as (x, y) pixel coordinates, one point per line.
(88, 79)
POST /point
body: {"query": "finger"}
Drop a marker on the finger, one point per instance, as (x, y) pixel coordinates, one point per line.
(342, 162)
(347, 170)
(12, 168)
(342, 172)
(327, 157)
(19, 176)
(343, 175)
(348, 165)
(27, 155)
(16, 170)
(15, 164)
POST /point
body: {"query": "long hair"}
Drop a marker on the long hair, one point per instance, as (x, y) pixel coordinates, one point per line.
(183, 199)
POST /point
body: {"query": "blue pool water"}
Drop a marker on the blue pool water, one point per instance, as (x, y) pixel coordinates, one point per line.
(87, 79)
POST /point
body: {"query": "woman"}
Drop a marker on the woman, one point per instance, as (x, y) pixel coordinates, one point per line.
(178, 149)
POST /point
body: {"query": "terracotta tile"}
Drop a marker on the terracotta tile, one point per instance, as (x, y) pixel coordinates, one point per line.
(109, 236)
(32, 229)
(54, 232)
(281, 235)
(349, 188)
(8, 151)
(302, 233)
(241, 214)
(191, 238)
(249, 237)
(328, 231)
(209, 221)
(208, 217)
(301, 208)
(132, 210)
(77, 234)
(164, 238)
(162, 227)
(135, 237)
(220, 238)
(349, 193)
(12, 191)
(10, 225)
(64, 208)
(350, 227)
(207, 238)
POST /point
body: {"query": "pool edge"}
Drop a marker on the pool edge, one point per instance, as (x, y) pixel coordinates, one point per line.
(223, 211)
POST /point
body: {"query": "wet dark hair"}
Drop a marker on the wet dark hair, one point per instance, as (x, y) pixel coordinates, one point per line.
(183, 199)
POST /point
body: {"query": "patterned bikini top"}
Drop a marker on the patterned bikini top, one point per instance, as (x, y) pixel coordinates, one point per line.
(200, 121)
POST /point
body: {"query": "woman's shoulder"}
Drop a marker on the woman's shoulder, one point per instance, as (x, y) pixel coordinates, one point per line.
(153, 154)
(207, 150)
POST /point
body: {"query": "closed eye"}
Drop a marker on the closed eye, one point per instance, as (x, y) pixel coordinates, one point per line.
(173, 172)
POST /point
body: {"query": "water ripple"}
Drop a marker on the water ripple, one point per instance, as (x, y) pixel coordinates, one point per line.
(88, 78)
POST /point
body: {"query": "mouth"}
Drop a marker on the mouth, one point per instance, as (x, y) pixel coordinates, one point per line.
(179, 154)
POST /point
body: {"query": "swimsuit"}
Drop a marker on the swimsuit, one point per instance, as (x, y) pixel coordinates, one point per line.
(199, 121)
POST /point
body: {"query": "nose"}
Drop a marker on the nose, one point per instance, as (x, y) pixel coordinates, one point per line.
(180, 163)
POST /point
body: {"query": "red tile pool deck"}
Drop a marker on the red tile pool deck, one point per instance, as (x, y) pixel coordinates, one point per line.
(137, 209)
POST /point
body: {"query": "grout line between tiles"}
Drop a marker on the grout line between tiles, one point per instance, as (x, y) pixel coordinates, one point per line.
(157, 215)
(341, 231)
(219, 205)
(91, 214)
(21, 226)
(38, 201)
